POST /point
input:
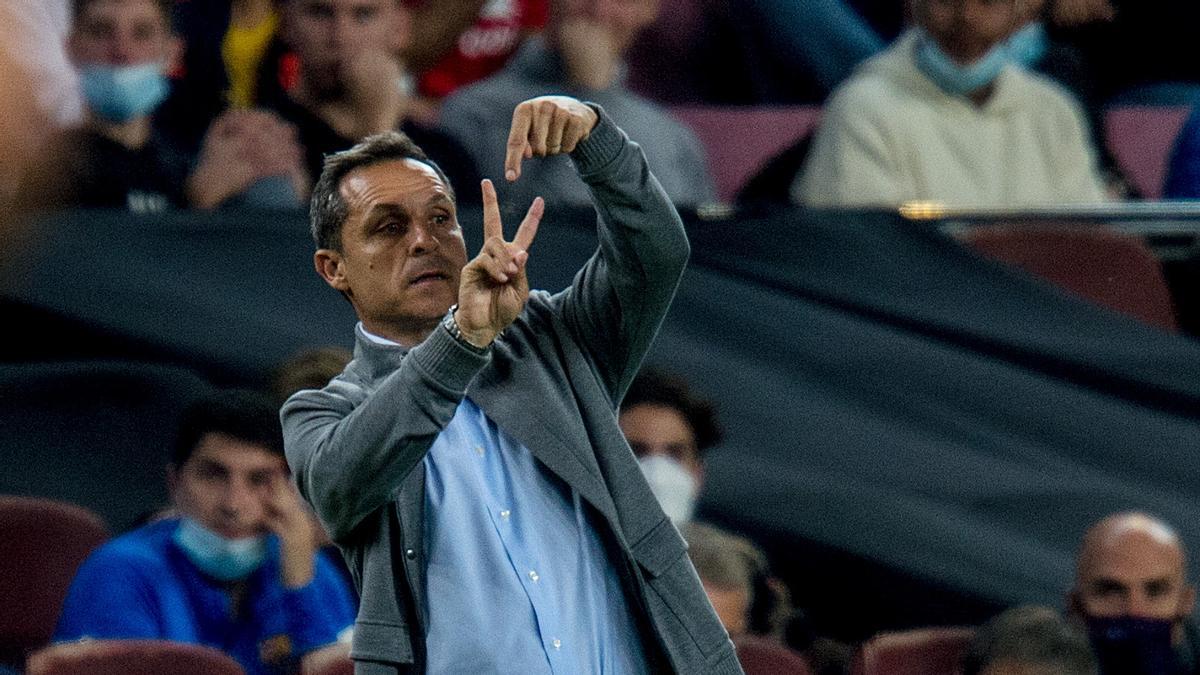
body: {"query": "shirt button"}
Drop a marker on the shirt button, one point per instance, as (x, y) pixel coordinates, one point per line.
(410, 554)
(533, 576)
(557, 643)
(505, 514)
(479, 450)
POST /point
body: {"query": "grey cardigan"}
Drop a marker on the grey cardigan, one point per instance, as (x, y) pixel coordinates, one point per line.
(553, 381)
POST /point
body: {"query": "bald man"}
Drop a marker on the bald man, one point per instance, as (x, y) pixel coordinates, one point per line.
(1132, 593)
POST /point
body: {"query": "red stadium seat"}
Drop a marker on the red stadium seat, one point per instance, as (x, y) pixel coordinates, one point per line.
(740, 141)
(130, 657)
(760, 656)
(1141, 139)
(929, 651)
(1111, 269)
(44, 543)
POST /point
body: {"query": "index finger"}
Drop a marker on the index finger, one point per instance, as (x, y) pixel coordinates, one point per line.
(492, 227)
(529, 227)
(518, 139)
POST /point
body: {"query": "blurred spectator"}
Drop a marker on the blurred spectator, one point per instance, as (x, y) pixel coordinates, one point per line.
(669, 428)
(237, 570)
(350, 83)
(1131, 593)
(749, 600)
(580, 54)
(231, 59)
(124, 50)
(943, 115)
(1029, 641)
(1183, 171)
(309, 369)
(734, 574)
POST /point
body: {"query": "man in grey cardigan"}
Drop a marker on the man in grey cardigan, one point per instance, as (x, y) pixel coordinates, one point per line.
(468, 461)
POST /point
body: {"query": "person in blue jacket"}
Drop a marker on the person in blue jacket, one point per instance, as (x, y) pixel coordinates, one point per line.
(238, 568)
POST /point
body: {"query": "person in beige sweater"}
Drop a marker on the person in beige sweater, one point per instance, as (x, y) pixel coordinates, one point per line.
(945, 116)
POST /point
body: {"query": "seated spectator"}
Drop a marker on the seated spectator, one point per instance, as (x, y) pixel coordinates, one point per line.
(238, 569)
(124, 49)
(1132, 594)
(580, 54)
(231, 59)
(944, 115)
(1029, 641)
(1183, 171)
(350, 83)
(669, 428)
(727, 566)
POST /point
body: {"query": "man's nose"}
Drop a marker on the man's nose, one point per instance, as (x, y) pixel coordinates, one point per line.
(120, 49)
(421, 240)
(239, 498)
(1139, 605)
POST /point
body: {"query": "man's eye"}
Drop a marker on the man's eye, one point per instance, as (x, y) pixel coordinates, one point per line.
(441, 219)
(391, 227)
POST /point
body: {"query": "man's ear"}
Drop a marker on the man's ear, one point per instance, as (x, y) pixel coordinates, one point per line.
(402, 32)
(1188, 602)
(328, 263)
(173, 58)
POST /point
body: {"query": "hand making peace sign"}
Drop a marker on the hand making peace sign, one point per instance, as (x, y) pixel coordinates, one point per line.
(493, 287)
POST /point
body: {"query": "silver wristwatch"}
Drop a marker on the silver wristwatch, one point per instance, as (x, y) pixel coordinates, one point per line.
(452, 328)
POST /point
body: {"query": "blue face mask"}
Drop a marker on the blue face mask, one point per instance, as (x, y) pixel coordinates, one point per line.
(1028, 46)
(218, 557)
(1127, 645)
(121, 93)
(954, 78)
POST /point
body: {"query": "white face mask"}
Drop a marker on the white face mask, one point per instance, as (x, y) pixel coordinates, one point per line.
(674, 486)
(218, 557)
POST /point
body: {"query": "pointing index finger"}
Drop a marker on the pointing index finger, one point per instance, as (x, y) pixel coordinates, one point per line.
(518, 141)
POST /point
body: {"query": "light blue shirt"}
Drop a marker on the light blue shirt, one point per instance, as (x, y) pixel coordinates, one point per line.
(518, 579)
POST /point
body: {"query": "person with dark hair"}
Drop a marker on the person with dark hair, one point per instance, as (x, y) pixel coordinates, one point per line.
(120, 157)
(468, 460)
(1132, 593)
(669, 428)
(1029, 640)
(236, 569)
(350, 82)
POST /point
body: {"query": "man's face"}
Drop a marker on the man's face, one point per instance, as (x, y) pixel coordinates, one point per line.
(732, 606)
(967, 29)
(120, 33)
(1133, 574)
(226, 483)
(327, 35)
(402, 248)
(623, 19)
(653, 429)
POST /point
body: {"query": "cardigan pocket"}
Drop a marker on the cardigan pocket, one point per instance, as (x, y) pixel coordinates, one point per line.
(381, 641)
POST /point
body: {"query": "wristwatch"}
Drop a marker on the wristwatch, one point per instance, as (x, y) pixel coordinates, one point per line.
(452, 328)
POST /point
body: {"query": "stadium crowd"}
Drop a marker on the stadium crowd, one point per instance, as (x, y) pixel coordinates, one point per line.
(162, 106)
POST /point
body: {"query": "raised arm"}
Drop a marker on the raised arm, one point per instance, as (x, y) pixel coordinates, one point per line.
(618, 300)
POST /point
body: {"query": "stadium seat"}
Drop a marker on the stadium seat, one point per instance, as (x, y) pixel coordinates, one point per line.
(1141, 138)
(1111, 269)
(760, 656)
(44, 543)
(928, 651)
(740, 141)
(131, 657)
